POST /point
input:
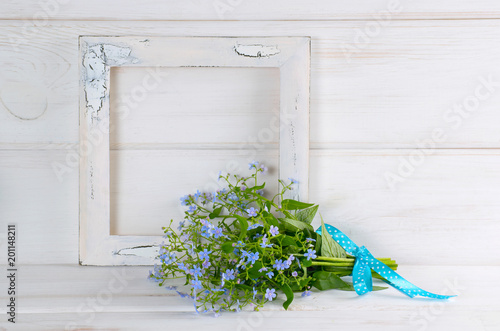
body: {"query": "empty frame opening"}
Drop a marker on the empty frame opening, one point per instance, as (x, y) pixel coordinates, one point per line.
(173, 129)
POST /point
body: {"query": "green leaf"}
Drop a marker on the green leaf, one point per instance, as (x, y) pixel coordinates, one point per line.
(374, 288)
(301, 284)
(243, 225)
(379, 288)
(294, 226)
(328, 280)
(287, 241)
(243, 287)
(292, 249)
(253, 272)
(289, 295)
(270, 219)
(227, 247)
(339, 271)
(329, 247)
(306, 263)
(317, 245)
(215, 213)
(307, 215)
(289, 204)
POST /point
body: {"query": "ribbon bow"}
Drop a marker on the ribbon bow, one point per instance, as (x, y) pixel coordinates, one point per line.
(365, 262)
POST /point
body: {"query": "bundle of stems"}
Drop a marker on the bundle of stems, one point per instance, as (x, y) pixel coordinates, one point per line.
(343, 266)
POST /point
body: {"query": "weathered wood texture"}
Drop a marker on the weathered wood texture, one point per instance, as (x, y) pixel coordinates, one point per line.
(449, 204)
(248, 10)
(397, 87)
(392, 94)
(118, 298)
(385, 75)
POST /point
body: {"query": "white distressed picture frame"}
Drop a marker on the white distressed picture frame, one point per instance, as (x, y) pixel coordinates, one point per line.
(98, 54)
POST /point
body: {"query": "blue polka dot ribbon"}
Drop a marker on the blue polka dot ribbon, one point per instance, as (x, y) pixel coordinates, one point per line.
(365, 262)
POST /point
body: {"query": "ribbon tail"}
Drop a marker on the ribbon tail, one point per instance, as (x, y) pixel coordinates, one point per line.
(368, 278)
(362, 277)
(395, 280)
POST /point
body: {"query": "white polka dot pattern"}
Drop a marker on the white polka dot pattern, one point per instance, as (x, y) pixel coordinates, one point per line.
(366, 262)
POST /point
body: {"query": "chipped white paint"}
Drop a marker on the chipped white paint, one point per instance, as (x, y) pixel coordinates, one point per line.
(256, 50)
(98, 54)
(141, 251)
(97, 59)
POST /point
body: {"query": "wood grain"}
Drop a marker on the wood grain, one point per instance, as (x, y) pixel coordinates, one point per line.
(248, 10)
(396, 89)
(351, 107)
(213, 106)
(146, 185)
(384, 76)
(448, 205)
(55, 297)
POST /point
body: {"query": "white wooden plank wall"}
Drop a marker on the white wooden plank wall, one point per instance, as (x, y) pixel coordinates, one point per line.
(367, 117)
(369, 108)
(197, 10)
(388, 77)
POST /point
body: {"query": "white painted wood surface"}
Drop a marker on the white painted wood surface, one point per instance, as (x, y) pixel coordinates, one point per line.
(349, 109)
(249, 10)
(240, 101)
(373, 98)
(396, 89)
(96, 298)
(454, 192)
